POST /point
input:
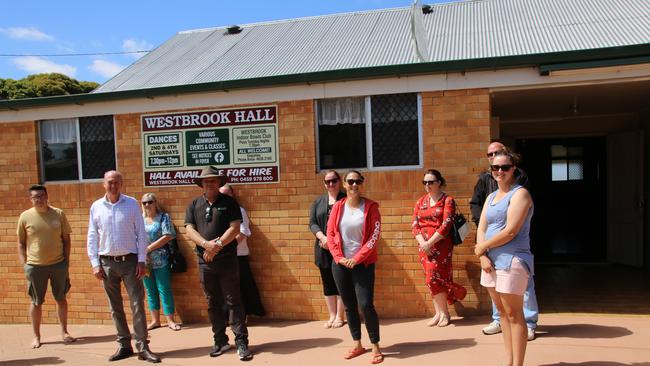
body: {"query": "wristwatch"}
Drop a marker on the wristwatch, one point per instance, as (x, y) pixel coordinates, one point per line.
(219, 243)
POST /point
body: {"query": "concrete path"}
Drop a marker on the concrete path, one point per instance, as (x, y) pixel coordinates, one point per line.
(563, 339)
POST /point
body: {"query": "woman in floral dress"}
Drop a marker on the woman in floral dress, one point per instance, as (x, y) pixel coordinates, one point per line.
(432, 224)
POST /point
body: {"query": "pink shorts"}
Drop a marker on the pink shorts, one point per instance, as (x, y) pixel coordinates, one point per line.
(513, 281)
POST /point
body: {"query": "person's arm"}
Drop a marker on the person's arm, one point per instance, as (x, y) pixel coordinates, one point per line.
(228, 237)
(374, 219)
(486, 263)
(22, 251)
(244, 227)
(22, 241)
(142, 241)
(477, 201)
(92, 246)
(332, 231)
(314, 227)
(448, 213)
(167, 231)
(65, 238)
(516, 216)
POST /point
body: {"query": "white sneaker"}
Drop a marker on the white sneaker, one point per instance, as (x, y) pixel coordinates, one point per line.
(531, 334)
(492, 328)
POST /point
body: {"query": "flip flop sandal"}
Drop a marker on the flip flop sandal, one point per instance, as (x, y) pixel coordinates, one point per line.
(175, 327)
(328, 324)
(377, 358)
(338, 323)
(354, 353)
(152, 327)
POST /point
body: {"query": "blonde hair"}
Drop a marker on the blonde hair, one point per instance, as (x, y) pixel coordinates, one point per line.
(151, 197)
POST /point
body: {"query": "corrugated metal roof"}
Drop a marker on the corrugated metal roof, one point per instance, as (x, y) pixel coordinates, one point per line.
(464, 30)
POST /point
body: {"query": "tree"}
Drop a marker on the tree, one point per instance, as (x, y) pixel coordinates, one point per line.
(43, 85)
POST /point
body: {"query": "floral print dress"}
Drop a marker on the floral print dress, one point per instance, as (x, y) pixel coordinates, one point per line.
(159, 226)
(427, 220)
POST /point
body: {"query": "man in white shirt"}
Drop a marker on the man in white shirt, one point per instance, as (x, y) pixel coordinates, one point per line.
(117, 243)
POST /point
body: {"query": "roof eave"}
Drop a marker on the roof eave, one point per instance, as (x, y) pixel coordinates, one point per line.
(337, 75)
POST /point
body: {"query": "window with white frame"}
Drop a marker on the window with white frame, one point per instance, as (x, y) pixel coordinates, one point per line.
(374, 132)
(567, 163)
(77, 148)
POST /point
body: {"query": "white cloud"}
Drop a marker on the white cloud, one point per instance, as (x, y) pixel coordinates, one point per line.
(132, 45)
(28, 34)
(37, 65)
(105, 68)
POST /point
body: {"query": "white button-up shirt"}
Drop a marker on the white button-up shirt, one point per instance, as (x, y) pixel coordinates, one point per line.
(116, 229)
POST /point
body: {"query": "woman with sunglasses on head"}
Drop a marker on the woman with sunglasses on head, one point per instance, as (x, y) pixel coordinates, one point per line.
(318, 216)
(433, 216)
(158, 283)
(353, 232)
(503, 246)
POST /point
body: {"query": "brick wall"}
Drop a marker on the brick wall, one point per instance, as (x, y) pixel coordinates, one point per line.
(455, 134)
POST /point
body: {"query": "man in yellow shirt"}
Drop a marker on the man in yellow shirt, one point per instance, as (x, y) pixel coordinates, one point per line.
(44, 249)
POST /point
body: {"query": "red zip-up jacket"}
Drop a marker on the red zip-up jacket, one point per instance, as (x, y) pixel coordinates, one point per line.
(371, 232)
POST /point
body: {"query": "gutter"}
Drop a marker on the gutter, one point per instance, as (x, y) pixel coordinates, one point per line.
(606, 55)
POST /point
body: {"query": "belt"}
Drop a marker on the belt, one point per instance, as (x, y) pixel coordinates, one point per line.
(118, 258)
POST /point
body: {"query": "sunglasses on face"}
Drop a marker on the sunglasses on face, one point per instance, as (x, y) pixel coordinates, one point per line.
(331, 181)
(429, 182)
(504, 168)
(492, 154)
(354, 181)
(208, 214)
(145, 203)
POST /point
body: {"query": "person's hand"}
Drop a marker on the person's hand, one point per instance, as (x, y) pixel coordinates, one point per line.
(323, 242)
(98, 272)
(486, 264)
(479, 249)
(344, 262)
(425, 247)
(351, 263)
(207, 257)
(140, 270)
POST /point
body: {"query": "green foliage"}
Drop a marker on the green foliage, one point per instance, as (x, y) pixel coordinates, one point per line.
(43, 85)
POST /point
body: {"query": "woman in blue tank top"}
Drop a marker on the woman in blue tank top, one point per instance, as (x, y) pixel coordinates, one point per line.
(503, 246)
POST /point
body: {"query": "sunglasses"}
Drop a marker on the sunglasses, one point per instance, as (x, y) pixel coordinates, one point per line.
(330, 181)
(144, 203)
(504, 168)
(208, 214)
(353, 181)
(429, 182)
(492, 154)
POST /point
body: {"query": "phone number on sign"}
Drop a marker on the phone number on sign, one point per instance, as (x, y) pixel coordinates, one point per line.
(267, 178)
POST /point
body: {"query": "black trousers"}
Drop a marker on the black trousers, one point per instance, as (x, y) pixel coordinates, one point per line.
(357, 289)
(220, 282)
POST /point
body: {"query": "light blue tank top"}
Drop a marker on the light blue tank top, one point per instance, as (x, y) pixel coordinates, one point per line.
(519, 246)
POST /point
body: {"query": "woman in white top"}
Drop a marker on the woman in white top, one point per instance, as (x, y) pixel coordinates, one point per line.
(250, 295)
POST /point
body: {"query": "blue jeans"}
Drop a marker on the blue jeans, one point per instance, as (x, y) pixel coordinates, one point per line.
(159, 289)
(531, 309)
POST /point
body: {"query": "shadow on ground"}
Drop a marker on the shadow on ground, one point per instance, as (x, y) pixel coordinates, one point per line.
(412, 349)
(581, 331)
(598, 363)
(34, 361)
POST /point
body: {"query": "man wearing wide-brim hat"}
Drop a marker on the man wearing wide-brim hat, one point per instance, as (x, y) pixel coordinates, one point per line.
(211, 172)
(212, 221)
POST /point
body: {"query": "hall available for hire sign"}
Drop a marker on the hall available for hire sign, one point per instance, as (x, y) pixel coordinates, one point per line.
(241, 142)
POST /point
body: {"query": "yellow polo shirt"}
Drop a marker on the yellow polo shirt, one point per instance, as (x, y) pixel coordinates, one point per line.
(42, 234)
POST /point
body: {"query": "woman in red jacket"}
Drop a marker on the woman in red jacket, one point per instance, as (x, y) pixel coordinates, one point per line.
(432, 222)
(353, 233)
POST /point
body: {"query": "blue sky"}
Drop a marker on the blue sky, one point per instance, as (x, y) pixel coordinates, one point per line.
(47, 27)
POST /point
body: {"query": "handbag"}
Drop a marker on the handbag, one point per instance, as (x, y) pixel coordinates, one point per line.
(460, 227)
(177, 263)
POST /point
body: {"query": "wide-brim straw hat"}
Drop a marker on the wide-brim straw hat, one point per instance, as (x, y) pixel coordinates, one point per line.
(210, 172)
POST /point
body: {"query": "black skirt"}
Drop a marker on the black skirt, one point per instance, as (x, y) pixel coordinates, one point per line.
(250, 295)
